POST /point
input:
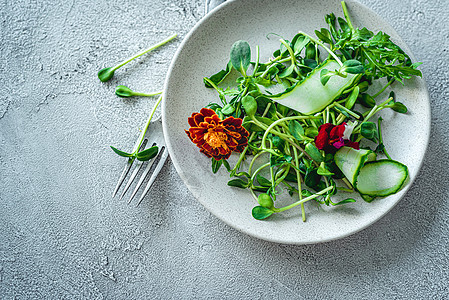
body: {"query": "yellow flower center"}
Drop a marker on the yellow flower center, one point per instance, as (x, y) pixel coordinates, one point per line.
(216, 139)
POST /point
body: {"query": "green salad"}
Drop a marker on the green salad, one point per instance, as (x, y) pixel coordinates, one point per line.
(302, 119)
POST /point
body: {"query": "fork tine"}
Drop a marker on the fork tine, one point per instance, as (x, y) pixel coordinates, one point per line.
(134, 173)
(131, 179)
(142, 178)
(122, 176)
(126, 170)
(156, 171)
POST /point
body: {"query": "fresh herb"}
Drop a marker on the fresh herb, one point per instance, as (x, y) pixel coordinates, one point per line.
(137, 153)
(125, 92)
(107, 73)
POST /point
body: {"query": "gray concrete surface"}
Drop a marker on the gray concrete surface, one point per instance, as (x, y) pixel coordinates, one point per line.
(63, 237)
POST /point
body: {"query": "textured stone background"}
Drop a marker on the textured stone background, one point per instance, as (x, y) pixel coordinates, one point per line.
(62, 236)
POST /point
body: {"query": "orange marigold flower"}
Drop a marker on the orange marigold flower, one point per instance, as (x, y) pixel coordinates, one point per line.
(215, 137)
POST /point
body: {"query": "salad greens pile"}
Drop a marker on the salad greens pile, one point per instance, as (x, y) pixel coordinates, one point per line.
(291, 104)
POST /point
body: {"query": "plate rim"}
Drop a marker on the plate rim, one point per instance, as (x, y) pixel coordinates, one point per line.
(274, 239)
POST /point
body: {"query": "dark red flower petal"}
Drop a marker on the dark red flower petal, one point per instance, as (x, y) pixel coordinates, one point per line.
(322, 139)
(352, 144)
(232, 121)
(207, 112)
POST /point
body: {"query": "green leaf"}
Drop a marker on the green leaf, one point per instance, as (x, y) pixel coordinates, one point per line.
(121, 153)
(276, 160)
(260, 213)
(399, 107)
(240, 183)
(325, 75)
(311, 132)
(147, 154)
(299, 42)
(226, 164)
(350, 101)
(369, 131)
(363, 86)
(241, 56)
(366, 100)
(296, 130)
(324, 35)
(323, 170)
(250, 105)
(362, 34)
(311, 63)
(312, 179)
(105, 74)
(282, 109)
(310, 51)
(344, 26)
(314, 153)
(348, 200)
(278, 143)
(353, 66)
(123, 91)
(220, 76)
(262, 103)
(263, 181)
(265, 201)
(287, 72)
(216, 164)
(264, 120)
(228, 109)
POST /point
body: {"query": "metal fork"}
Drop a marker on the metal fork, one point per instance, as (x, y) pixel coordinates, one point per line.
(152, 167)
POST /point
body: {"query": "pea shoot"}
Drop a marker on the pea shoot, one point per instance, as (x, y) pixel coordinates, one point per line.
(125, 92)
(107, 73)
(146, 154)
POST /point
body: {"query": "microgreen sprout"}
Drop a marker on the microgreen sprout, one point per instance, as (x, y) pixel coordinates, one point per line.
(107, 73)
(137, 153)
(125, 92)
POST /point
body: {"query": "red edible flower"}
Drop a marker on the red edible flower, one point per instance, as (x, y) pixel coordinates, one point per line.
(215, 137)
(330, 138)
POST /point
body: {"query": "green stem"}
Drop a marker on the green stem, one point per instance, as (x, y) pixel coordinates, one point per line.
(142, 137)
(298, 179)
(347, 110)
(253, 161)
(379, 121)
(384, 88)
(284, 120)
(145, 51)
(345, 12)
(253, 176)
(290, 51)
(147, 95)
(348, 184)
(257, 60)
(212, 84)
(325, 48)
(242, 155)
(305, 199)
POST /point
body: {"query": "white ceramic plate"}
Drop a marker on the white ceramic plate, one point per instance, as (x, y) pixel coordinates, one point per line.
(205, 51)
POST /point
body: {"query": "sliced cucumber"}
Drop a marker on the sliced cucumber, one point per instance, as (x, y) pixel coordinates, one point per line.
(309, 95)
(381, 178)
(350, 161)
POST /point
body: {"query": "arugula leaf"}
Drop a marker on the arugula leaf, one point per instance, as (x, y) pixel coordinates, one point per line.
(220, 76)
